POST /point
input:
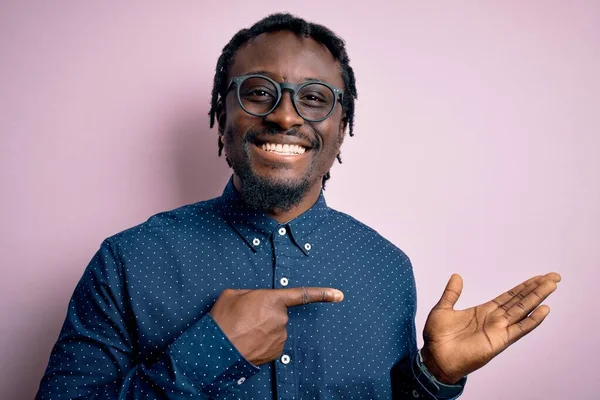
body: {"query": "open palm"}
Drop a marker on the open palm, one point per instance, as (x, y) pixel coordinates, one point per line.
(458, 342)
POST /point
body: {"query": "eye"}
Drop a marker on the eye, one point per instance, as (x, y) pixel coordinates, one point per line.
(258, 94)
(314, 97)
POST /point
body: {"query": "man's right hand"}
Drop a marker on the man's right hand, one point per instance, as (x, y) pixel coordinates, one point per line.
(255, 320)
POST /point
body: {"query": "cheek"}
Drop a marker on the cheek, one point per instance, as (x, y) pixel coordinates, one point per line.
(332, 138)
(238, 122)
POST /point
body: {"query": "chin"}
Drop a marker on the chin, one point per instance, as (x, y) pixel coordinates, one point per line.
(285, 180)
(272, 190)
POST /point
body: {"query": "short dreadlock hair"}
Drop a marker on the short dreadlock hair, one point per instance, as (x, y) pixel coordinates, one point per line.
(286, 22)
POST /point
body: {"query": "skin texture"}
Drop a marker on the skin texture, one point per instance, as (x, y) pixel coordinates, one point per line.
(456, 342)
(460, 342)
(283, 56)
(255, 320)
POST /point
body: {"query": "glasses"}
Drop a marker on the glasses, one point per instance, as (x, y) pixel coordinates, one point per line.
(259, 95)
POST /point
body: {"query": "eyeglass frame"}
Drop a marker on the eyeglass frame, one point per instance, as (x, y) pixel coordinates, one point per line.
(280, 87)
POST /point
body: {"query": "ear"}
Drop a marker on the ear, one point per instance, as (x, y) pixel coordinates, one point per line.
(342, 127)
(221, 117)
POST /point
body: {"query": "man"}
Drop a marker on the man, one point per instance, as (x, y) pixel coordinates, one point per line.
(265, 292)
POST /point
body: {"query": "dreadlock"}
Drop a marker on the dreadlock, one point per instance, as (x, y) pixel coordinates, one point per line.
(279, 22)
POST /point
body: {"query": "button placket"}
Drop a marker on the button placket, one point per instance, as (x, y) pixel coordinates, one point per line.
(285, 251)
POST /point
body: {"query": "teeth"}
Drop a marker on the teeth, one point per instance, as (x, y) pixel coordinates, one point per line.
(283, 149)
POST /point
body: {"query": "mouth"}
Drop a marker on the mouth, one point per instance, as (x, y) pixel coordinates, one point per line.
(282, 145)
(283, 149)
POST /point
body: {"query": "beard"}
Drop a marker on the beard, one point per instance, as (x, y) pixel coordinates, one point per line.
(268, 194)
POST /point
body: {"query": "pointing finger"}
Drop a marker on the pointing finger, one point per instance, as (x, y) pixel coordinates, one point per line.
(303, 295)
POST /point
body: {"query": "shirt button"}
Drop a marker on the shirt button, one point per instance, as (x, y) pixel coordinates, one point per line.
(256, 241)
(282, 231)
(241, 380)
(285, 359)
(415, 394)
(307, 246)
(284, 281)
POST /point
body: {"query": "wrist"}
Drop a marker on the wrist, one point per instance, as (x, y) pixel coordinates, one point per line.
(428, 361)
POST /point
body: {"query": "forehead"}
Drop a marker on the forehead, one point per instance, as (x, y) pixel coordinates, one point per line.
(287, 57)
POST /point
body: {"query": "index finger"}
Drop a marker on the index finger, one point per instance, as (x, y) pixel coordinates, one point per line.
(304, 295)
(507, 296)
(517, 291)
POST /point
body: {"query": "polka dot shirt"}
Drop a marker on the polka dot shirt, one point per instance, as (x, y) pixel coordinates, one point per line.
(138, 327)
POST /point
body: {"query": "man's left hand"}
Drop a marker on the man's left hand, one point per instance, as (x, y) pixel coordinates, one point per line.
(458, 342)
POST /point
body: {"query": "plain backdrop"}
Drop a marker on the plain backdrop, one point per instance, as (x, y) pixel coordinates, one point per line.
(476, 151)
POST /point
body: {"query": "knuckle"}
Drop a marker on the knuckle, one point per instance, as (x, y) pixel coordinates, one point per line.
(452, 294)
(305, 296)
(228, 292)
(536, 294)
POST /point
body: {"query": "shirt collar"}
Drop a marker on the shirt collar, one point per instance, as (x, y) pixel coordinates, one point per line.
(250, 222)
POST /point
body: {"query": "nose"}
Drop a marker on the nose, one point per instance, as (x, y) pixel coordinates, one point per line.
(285, 115)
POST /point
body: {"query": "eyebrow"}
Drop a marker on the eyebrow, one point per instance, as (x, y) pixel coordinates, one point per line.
(269, 74)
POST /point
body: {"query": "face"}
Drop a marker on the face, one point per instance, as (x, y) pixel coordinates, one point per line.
(251, 143)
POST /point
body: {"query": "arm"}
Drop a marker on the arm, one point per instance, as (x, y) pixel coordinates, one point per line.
(411, 379)
(95, 357)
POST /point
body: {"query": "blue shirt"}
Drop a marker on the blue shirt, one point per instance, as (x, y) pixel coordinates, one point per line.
(138, 327)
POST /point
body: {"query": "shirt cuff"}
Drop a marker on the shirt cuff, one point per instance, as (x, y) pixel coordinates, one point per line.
(409, 381)
(431, 385)
(210, 360)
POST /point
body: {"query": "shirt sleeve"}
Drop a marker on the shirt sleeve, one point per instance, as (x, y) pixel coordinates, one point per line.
(95, 357)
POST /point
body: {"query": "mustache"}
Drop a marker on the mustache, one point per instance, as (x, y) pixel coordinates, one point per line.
(252, 134)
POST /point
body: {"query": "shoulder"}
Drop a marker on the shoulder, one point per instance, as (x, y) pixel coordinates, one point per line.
(173, 222)
(353, 227)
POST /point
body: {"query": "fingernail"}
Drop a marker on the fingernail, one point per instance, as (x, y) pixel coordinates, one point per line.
(338, 295)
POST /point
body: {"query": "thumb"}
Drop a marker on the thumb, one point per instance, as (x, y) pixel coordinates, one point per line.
(303, 295)
(451, 292)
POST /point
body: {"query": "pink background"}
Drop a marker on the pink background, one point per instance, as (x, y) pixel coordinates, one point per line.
(476, 151)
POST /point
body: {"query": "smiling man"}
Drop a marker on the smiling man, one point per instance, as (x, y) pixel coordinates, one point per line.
(266, 292)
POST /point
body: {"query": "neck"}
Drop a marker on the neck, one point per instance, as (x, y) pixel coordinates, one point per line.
(283, 216)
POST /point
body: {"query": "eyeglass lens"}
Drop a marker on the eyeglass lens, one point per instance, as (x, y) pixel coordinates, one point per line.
(259, 96)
